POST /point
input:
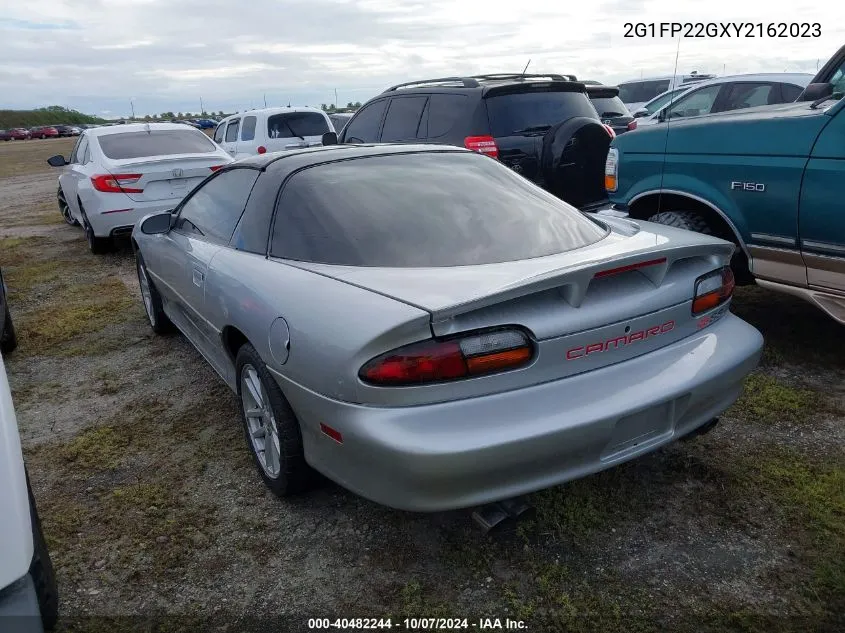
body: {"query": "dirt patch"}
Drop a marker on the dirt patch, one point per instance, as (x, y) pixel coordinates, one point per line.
(152, 507)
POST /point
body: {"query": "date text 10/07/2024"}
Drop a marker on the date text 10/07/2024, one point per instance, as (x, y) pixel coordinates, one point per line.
(416, 624)
(722, 29)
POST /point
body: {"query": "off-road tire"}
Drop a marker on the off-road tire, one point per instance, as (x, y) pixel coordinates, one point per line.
(688, 220)
(295, 476)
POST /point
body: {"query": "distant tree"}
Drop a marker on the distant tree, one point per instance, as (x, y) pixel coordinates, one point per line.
(323, 107)
(220, 113)
(147, 117)
(178, 115)
(332, 108)
(350, 105)
(204, 114)
(357, 104)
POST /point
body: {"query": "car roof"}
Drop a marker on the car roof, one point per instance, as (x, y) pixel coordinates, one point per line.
(136, 127)
(292, 160)
(477, 83)
(272, 111)
(665, 77)
(802, 79)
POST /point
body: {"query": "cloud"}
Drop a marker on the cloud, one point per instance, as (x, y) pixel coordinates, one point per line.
(169, 55)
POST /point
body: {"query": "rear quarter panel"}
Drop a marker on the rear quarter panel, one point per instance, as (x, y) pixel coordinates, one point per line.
(704, 157)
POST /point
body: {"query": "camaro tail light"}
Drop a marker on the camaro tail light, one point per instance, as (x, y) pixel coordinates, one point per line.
(713, 289)
(624, 269)
(482, 145)
(116, 183)
(440, 361)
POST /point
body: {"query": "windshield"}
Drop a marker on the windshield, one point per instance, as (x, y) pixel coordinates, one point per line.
(297, 125)
(610, 107)
(527, 112)
(422, 210)
(125, 145)
(657, 103)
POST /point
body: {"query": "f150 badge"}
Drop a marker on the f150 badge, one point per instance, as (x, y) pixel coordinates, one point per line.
(749, 186)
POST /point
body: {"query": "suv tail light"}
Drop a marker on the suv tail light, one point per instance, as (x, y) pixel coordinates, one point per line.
(440, 361)
(482, 145)
(632, 125)
(116, 183)
(712, 290)
(216, 167)
(609, 130)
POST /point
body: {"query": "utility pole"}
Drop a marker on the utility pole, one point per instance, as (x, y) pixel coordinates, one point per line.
(202, 107)
(265, 99)
(335, 99)
(131, 103)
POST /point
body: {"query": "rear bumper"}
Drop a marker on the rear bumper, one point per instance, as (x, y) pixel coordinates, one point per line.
(19, 611)
(117, 214)
(469, 452)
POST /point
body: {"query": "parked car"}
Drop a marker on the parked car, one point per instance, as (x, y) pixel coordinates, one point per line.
(541, 126)
(205, 124)
(610, 108)
(659, 101)
(18, 134)
(458, 334)
(46, 131)
(185, 122)
(271, 130)
(766, 178)
(117, 174)
(64, 130)
(29, 600)
(5, 136)
(339, 119)
(8, 338)
(636, 92)
(736, 92)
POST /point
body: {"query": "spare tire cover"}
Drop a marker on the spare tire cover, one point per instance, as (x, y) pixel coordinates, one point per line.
(573, 158)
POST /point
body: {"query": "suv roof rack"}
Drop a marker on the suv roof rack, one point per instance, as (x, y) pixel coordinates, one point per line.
(552, 76)
(467, 82)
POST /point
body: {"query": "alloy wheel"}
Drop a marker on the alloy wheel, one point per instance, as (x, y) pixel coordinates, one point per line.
(64, 209)
(147, 296)
(261, 423)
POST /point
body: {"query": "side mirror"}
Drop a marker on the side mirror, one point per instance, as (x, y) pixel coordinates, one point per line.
(814, 92)
(640, 113)
(57, 161)
(330, 138)
(157, 224)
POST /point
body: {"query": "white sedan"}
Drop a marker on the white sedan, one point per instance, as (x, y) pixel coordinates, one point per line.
(118, 174)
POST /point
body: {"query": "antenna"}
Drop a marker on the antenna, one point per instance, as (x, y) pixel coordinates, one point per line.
(265, 99)
(526, 67)
(668, 123)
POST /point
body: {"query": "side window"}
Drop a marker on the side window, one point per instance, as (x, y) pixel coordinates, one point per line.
(248, 128)
(86, 151)
(749, 95)
(698, 102)
(443, 112)
(838, 80)
(790, 92)
(403, 119)
(219, 132)
(363, 128)
(214, 209)
(75, 155)
(232, 131)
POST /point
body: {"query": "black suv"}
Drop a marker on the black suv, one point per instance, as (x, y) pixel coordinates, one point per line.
(541, 126)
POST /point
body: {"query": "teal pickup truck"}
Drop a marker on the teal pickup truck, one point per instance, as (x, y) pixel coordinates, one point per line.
(771, 179)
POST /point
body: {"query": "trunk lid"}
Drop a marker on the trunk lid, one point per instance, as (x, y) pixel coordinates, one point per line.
(169, 178)
(567, 301)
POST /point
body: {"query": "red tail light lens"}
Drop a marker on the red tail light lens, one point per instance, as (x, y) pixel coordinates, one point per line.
(116, 183)
(216, 167)
(609, 130)
(629, 267)
(482, 145)
(632, 125)
(262, 149)
(713, 289)
(441, 361)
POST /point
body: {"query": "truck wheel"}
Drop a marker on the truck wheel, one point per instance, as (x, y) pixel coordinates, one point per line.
(41, 570)
(688, 220)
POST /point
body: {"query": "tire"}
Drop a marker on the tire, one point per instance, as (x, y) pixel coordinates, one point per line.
(64, 209)
(43, 136)
(97, 245)
(8, 337)
(41, 570)
(159, 321)
(293, 475)
(688, 220)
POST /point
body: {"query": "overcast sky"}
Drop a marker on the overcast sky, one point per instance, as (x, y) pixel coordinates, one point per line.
(98, 55)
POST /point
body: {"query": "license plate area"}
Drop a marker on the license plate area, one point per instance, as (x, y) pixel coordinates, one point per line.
(640, 430)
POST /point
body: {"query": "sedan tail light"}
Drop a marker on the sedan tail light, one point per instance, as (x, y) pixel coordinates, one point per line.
(482, 145)
(712, 290)
(116, 183)
(440, 361)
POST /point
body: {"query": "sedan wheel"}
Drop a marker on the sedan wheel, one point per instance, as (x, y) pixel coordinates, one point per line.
(270, 426)
(159, 321)
(64, 209)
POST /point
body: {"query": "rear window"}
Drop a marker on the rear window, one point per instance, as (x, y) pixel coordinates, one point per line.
(610, 107)
(642, 91)
(513, 114)
(154, 143)
(422, 210)
(296, 124)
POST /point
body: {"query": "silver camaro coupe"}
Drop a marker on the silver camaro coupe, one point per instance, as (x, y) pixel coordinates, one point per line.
(432, 331)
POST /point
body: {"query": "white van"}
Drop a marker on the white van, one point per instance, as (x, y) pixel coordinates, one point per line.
(272, 130)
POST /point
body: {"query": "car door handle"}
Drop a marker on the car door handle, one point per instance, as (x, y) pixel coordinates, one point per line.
(198, 277)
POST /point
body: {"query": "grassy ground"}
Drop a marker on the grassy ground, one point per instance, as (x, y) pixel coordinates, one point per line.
(152, 507)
